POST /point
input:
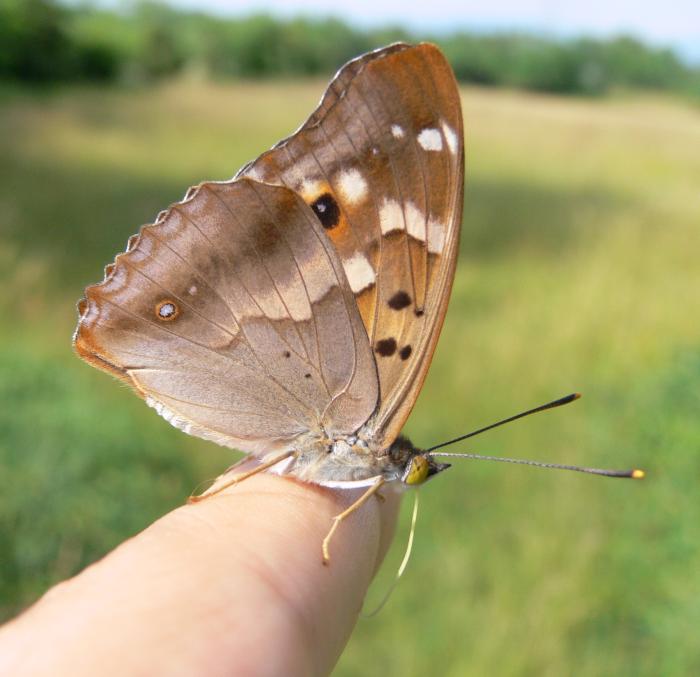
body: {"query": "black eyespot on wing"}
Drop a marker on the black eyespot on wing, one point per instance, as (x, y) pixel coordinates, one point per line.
(286, 353)
(327, 210)
(399, 301)
(307, 375)
(419, 313)
(405, 352)
(386, 347)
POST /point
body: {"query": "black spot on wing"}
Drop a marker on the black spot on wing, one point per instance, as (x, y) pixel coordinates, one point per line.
(386, 347)
(405, 352)
(399, 301)
(327, 210)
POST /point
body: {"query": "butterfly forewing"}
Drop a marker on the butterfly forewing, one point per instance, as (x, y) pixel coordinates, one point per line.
(233, 317)
(381, 164)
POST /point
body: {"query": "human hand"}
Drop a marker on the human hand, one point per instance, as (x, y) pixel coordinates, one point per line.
(231, 585)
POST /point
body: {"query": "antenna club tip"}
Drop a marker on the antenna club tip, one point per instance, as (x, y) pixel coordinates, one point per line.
(638, 474)
(576, 396)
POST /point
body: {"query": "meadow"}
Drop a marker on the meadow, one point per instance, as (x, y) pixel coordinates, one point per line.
(579, 270)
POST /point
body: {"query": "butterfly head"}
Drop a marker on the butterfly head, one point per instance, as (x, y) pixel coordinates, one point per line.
(417, 465)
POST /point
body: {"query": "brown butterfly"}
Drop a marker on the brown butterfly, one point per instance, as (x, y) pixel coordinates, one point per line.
(293, 311)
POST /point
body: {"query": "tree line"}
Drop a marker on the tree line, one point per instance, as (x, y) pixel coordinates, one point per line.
(45, 41)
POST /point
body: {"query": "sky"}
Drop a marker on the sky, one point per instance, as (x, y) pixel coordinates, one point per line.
(673, 23)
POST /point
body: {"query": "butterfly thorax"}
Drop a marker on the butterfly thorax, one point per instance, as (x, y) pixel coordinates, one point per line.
(355, 458)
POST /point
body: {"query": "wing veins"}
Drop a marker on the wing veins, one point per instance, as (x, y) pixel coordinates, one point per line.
(398, 190)
(303, 281)
(207, 406)
(197, 273)
(378, 287)
(250, 393)
(274, 284)
(200, 345)
(243, 334)
(217, 430)
(180, 300)
(453, 172)
(421, 165)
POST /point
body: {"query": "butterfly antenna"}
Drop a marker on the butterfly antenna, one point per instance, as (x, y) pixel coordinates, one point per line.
(635, 473)
(404, 561)
(543, 407)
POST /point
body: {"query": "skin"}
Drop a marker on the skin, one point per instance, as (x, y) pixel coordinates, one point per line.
(233, 585)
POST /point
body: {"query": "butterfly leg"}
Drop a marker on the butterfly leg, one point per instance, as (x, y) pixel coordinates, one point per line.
(242, 476)
(346, 513)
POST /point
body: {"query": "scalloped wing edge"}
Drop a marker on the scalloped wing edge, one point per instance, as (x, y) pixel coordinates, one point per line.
(80, 343)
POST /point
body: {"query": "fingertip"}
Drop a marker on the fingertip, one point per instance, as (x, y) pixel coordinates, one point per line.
(280, 524)
(229, 577)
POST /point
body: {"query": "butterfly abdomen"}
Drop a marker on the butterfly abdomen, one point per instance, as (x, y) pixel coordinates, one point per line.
(336, 461)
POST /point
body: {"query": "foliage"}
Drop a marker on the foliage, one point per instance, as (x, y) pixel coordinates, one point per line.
(37, 45)
(45, 41)
(583, 66)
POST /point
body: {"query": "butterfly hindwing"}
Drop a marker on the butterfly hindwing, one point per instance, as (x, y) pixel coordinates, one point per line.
(232, 316)
(381, 162)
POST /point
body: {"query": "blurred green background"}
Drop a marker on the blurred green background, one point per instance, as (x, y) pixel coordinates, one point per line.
(578, 271)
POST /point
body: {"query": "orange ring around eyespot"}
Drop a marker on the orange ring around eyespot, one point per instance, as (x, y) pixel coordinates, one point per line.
(171, 315)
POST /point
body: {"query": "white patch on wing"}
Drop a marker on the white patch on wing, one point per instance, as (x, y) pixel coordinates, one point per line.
(170, 416)
(192, 290)
(298, 172)
(352, 185)
(436, 236)
(415, 221)
(390, 217)
(450, 137)
(311, 189)
(187, 426)
(397, 131)
(430, 139)
(359, 272)
(270, 304)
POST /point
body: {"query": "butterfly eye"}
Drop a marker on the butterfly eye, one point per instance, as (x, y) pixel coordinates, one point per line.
(167, 310)
(417, 471)
(421, 468)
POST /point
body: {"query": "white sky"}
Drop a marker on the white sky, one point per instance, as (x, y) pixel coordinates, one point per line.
(674, 23)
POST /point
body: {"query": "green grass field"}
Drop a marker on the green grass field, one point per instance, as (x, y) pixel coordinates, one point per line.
(579, 270)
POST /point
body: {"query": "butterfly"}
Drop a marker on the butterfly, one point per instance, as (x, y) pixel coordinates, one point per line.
(293, 311)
